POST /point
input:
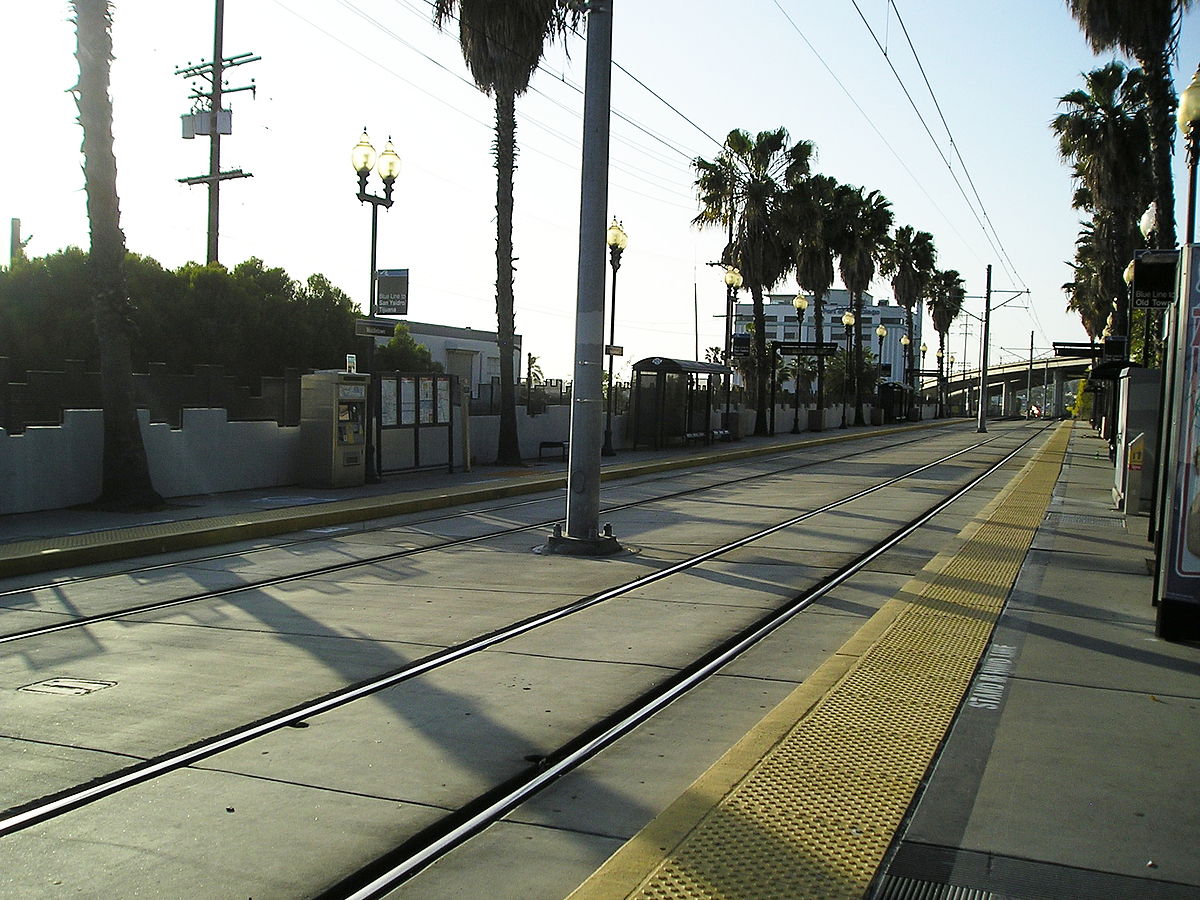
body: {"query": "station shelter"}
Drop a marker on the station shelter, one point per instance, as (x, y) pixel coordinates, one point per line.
(672, 401)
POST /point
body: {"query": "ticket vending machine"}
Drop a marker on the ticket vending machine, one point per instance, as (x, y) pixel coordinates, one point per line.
(333, 428)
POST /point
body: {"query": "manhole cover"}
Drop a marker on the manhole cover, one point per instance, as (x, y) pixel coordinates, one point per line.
(74, 686)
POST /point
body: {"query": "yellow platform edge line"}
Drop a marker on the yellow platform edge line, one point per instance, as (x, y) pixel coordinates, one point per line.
(30, 556)
(637, 869)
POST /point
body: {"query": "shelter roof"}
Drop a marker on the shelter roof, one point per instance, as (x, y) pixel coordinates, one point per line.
(680, 366)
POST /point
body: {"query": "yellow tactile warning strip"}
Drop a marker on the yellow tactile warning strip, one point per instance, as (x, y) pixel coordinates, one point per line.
(43, 554)
(823, 796)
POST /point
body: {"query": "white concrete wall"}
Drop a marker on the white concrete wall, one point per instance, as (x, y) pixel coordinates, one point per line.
(53, 467)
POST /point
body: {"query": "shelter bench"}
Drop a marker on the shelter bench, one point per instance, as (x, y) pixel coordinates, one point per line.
(560, 446)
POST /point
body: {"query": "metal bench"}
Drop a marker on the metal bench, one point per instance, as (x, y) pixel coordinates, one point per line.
(560, 446)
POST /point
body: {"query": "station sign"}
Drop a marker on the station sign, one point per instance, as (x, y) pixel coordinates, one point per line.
(373, 328)
(1075, 348)
(742, 346)
(614, 350)
(806, 348)
(391, 292)
(1154, 278)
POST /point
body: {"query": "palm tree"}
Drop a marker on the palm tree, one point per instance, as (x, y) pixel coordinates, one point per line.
(865, 219)
(533, 370)
(745, 186)
(1087, 294)
(1148, 31)
(125, 476)
(910, 261)
(946, 295)
(814, 225)
(1103, 133)
(502, 43)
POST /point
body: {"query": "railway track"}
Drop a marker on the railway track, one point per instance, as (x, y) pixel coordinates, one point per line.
(950, 477)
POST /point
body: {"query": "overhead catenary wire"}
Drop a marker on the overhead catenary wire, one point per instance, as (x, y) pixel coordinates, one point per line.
(988, 235)
(882, 137)
(953, 143)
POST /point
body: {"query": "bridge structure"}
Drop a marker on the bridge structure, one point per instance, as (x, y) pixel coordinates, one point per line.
(1011, 388)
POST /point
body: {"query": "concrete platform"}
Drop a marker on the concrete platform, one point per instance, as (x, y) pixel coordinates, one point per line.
(1069, 770)
(1077, 760)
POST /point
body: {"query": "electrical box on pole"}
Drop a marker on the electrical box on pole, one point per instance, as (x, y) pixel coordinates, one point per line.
(210, 119)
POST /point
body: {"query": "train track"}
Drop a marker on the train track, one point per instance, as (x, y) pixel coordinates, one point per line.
(421, 849)
(83, 621)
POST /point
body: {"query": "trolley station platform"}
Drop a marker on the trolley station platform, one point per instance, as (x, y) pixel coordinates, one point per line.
(1063, 736)
(1006, 726)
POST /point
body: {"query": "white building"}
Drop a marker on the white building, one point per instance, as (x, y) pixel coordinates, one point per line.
(473, 356)
(782, 318)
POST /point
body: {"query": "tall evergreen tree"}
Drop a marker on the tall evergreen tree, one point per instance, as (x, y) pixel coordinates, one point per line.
(126, 480)
(865, 219)
(1103, 132)
(814, 228)
(746, 185)
(1147, 31)
(909, 260)
(502, 43)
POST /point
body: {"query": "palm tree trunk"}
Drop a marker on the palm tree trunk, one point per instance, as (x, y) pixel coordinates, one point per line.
(859, 417)
(819, 324)
(762, 364)
(941, 389)
(508, 450)
(125, 476)
(1160, 100)
(909, 380)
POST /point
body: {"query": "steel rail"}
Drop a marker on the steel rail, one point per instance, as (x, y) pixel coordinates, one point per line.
(387, 872)
(334, 568)
(49, 807)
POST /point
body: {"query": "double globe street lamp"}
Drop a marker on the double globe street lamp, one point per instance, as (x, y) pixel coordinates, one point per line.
(364, 158)
(733, 283)
(848, 321)
(881, 333)
(801, 304)
(617, 241)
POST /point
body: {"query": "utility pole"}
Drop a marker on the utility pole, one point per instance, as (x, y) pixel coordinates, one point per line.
(583, 536)
(209, 118)
(1029, 382)
(983, 355)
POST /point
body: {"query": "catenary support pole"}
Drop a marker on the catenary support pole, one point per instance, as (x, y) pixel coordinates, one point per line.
(983, 355)
(583, 535)
(1029, 383)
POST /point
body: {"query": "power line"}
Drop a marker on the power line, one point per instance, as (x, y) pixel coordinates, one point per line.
(882, 137)
(925, 125)
(953, 143)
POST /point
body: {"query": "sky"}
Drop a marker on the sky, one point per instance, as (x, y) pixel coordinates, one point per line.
(686, 74)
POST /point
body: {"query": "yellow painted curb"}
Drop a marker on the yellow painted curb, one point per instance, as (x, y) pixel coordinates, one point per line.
(45, 554)
(806, 805)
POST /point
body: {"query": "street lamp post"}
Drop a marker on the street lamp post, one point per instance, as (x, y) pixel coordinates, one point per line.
(881, 333)
(950, 369)
(733, 283)
(910, 403)
(618, 240)
(801, 304)
(387, 164)
(848, 321)
(941, 384)
(924, 350)
(1188, 117)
